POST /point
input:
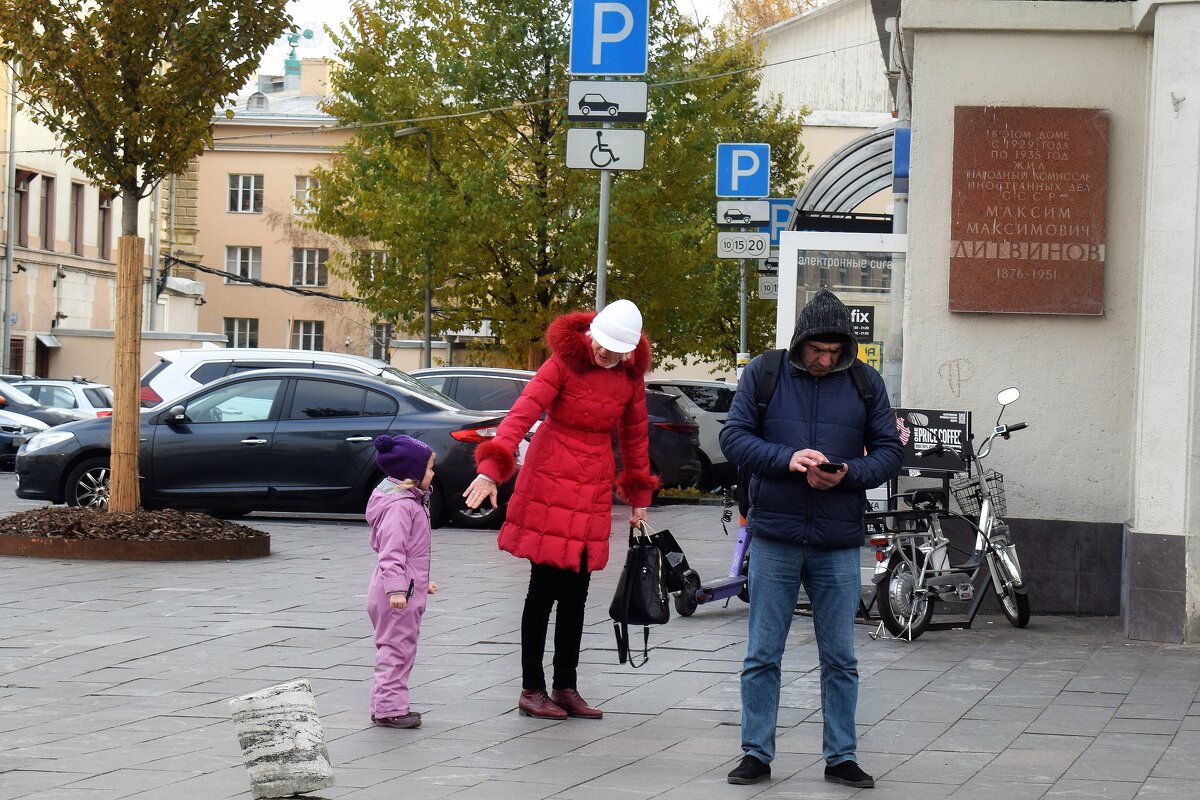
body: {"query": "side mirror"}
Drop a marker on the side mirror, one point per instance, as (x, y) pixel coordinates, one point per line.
(175, 414)
(1008, 395)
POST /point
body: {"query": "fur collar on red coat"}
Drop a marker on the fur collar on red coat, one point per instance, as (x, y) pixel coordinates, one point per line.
(567, 337)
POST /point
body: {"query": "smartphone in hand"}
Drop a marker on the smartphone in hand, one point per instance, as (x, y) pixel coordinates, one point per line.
(831, 466)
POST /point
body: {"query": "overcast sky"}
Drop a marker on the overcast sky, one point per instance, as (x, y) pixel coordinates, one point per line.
(316, 14)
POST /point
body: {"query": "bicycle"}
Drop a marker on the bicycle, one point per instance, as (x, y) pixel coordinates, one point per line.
(913, 570)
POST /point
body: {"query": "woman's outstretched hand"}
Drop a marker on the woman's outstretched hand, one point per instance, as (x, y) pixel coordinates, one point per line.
(480, 489)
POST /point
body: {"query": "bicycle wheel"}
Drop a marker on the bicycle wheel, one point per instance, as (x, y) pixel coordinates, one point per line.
(905, 614)
(1013, 602)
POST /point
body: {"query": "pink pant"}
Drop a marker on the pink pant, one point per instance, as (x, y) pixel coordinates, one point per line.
(396, 632)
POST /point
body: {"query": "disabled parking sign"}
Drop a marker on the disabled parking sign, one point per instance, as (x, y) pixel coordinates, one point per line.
(610, 37)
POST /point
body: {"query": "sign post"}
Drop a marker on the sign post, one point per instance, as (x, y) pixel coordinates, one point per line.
(743, 171)
(608, 37)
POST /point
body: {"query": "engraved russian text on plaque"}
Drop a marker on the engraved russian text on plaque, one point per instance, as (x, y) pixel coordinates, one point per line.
(1027, 223)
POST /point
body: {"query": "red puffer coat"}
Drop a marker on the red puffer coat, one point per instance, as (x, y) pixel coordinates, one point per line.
(563, 498)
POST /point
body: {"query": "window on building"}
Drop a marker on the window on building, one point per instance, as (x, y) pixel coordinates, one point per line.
(46, 227)
(241, 332)
(375, 262)
(24, 180)
(75, 234)
(308, 334)
(381, 340)
(309, 266)
(244, 262)
(104, 226)
(305, 184)
(246, 194)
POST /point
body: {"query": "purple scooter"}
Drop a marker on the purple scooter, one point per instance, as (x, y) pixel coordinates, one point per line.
(691, 592)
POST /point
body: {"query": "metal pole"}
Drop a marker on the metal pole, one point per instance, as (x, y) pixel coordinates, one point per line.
(427, 360)
(154, 256)
(602, 239)
(742, 336)
(11, 205)
(894, 354)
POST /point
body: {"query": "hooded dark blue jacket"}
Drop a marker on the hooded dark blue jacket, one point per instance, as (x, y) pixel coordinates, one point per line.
(825, 414)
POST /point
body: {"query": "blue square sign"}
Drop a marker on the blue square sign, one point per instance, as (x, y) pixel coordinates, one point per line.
(743, 170)
(610, 37)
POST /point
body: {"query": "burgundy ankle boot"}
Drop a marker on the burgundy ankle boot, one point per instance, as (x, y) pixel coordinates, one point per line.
(570, 701)
(536, 703)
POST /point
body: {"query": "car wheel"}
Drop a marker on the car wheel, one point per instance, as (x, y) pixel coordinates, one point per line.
(483, 517)
(437, 506)
(586, 110)
(612, 111)
(87, 485)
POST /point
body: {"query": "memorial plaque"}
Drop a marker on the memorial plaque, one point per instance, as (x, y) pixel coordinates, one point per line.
(1027, 222)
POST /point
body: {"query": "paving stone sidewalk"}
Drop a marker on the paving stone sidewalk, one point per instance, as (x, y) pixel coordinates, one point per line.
(115, 680)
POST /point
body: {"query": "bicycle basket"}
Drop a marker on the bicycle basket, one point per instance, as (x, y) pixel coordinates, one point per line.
(967, 494)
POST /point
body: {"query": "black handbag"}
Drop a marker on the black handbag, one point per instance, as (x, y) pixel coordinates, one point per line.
(641, 596)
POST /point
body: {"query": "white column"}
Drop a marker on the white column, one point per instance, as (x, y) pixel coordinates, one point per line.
(1165, 439)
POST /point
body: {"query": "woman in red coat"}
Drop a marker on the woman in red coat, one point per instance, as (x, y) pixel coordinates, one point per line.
(560, 514)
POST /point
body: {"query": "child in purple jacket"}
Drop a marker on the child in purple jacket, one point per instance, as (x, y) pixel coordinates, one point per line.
(399, 515)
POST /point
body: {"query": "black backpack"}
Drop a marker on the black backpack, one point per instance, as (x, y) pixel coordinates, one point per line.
(772, 363)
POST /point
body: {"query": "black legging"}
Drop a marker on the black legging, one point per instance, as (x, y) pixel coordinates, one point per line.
(569, 588)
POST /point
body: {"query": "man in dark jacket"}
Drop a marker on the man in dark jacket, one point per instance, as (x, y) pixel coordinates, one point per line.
(806, 525)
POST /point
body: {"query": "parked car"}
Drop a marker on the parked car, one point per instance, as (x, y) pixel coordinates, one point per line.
(14, 430)
(93, 398)
(180, 371)
(14, 400)
(272, 440)
(737, 215)
(708, 402)
(674, 442)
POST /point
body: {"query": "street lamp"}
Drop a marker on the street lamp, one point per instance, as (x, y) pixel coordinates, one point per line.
(427, 353)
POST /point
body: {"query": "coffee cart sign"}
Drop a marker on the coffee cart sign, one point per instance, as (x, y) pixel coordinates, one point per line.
(1028, 214)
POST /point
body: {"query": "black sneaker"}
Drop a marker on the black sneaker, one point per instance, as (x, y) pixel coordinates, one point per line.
(848, 773)
(751, 770)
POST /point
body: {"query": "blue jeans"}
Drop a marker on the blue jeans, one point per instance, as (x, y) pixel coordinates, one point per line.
(831, 579)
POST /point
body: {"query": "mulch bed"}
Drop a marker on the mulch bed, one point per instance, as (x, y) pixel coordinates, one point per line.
(90, 523)
(85, 533)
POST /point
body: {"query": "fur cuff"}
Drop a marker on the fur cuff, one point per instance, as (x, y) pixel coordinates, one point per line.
(630, 487)
(498, 457)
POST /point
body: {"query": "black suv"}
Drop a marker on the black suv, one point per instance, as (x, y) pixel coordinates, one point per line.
(674, 434)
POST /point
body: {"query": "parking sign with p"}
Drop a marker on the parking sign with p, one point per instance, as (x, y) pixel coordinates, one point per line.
(610, 37)
(743, 170)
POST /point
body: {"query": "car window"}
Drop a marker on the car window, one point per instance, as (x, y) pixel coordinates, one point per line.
(436, 381)
(382, 405)
(245, 401)
(99, 397)
(209, 372)
(57, 396)
(14, 395)
(326, 400)
(32, 391)
(485, 394)
(716, 399)
(247, 366)
(415, 386)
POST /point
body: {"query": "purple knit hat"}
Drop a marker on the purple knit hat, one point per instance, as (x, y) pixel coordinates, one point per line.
(402, 457)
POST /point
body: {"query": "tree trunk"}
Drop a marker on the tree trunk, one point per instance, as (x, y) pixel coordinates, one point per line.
(124, 491)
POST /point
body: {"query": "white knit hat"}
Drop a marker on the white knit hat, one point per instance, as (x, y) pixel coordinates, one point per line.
(618, 328)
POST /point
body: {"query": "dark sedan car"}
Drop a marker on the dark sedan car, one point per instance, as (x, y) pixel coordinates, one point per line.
(674, 434)
(271, 440)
